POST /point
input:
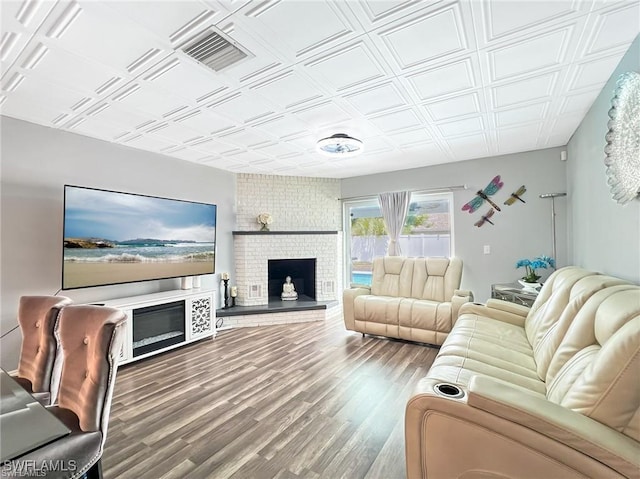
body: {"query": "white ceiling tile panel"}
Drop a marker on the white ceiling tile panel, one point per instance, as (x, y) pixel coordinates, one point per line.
(375, 145)
(578, 103)
(417, 40)
(34, 112)
(443, 80)
(252, 68)
(214, 161)
(614, 28)
(58, 97)
(522, 138)
(461, 105)
(23, 15)
(303, 26)
(594, 73)
(422, 155)
(347, 67)
(100, 129)
(187, 154)
(11, 46)
(153, 100)
(473, 146)
(98, 32)
(242, 107)
(304, 142)
(377, 99)
(66, 68)
(281, 126)
(461, 127)
(533, 54)
(535, 88)
(161, 18)
(411, 137)
(381, 9)
(508, 17)
(278, 150)
(204, 122)
(19, 20)
(175, 132)
(147, 142)
(524, 114)
(213, 147)
(565, 125)
(322, 114)
(288, 89)
(188, 79)
(246, 138)
(118, 115)
(245, 157)
(397, 120)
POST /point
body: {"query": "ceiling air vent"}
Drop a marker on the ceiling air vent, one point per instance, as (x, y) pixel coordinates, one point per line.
(214, 51)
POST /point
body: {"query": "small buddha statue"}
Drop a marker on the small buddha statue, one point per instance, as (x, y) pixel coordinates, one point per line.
(288, 290)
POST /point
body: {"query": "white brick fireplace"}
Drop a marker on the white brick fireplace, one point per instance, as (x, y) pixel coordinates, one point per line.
(253, 250)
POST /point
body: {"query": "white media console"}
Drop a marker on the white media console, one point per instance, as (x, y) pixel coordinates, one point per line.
(162, 321)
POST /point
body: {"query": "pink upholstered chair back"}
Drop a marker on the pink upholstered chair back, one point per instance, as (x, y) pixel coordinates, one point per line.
(37, 316)
(90, 338)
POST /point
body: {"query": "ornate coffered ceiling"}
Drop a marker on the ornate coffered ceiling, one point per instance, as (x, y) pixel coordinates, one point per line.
(419, 82)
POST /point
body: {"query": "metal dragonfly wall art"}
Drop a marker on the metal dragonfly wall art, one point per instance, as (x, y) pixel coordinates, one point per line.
(482, 195)
(485, 218)
(516, 195)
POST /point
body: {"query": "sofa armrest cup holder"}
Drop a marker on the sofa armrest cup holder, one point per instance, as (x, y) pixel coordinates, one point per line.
(448, 390)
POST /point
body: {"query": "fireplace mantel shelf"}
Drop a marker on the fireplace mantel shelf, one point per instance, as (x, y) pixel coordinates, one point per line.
(249, 233)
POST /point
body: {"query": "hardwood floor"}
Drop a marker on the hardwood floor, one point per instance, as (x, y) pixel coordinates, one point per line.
(307, 400)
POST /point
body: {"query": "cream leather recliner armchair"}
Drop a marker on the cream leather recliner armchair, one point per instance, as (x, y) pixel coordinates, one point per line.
(410, 298)
(553, 391)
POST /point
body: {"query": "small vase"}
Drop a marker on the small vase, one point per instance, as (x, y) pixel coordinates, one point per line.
(264, 227)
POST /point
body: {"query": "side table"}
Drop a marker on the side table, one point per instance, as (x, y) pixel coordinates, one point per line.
(514, 293)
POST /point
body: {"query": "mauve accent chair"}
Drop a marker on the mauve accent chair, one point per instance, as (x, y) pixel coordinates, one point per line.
(89, 339)
(37, 316)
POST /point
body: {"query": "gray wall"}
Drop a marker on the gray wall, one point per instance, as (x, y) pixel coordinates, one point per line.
(605, 236)
(520, 231)
(36, 163)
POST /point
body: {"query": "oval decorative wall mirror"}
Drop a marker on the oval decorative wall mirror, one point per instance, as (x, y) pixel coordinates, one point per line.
(623, 139)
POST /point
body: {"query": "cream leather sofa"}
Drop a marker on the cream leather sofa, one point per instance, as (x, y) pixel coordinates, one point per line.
(410, 298)
(550, 392)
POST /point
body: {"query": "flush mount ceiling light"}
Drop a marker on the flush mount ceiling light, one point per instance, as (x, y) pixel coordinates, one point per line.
(340, 146)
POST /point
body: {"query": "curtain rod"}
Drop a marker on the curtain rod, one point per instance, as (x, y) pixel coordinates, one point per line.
(428, 190)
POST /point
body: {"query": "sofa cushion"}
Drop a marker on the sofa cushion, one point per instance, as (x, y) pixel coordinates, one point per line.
(496, 354)
(377, 309)
(564, 295)
(460, 370)
(436, 279)
(425, 314)
(598, 361)
(392, 276)
(473, 327)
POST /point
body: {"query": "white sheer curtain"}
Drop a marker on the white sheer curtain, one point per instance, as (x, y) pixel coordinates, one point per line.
(394, 211)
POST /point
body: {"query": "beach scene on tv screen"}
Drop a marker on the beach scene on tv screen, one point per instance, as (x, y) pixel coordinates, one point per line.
(112, 237)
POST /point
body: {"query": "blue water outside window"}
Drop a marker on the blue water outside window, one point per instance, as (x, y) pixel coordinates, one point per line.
(427, 232)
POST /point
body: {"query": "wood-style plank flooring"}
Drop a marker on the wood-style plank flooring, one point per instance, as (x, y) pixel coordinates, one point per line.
(307, 400)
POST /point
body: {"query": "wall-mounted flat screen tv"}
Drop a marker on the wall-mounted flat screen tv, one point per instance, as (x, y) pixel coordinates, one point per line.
(112, 237)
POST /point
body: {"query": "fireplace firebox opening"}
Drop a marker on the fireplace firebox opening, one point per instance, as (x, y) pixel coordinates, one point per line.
(303, 276)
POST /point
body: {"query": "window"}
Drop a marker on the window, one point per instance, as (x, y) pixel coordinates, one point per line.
(427, 231)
